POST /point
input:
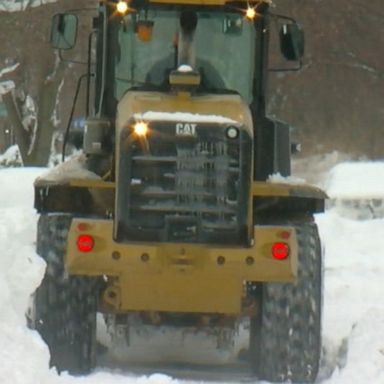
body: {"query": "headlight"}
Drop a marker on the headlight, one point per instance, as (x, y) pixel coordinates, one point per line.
(232, 133)
(140, 128)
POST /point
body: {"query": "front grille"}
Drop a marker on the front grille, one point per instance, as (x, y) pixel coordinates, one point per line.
(184, 188)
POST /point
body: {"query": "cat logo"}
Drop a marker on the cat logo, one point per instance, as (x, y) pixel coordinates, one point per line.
(186, 129)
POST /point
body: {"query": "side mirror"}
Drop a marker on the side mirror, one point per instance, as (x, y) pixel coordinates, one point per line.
(292, 41)
(96, 136)
(63, 31)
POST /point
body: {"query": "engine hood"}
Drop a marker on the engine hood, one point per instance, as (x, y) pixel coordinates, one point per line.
(149, 106)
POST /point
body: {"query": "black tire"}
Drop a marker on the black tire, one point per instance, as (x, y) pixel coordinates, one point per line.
(285, 339)
(64, 306)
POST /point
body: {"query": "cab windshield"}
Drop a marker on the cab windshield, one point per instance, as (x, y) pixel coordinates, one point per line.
(223, 50)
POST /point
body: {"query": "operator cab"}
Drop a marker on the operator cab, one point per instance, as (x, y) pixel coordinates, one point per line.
(219, 45)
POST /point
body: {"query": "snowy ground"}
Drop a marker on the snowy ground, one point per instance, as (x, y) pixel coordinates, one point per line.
(353, 326)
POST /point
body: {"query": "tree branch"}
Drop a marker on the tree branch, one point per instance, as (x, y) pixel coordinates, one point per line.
(22, 137)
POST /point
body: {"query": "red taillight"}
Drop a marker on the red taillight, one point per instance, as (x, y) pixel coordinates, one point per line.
(280, 251)
(85, 243)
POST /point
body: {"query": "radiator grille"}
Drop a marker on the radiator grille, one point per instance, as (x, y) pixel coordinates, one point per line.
(187, 189)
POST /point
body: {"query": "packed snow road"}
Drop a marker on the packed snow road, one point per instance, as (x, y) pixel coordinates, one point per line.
(353, 322)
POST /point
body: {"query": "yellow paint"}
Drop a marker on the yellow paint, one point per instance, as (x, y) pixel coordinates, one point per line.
(90, 183)
(266, 189)
(228, 106)
(184, 78)
(178, 277)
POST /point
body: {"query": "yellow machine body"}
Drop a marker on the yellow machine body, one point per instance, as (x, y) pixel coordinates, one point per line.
(178, 277)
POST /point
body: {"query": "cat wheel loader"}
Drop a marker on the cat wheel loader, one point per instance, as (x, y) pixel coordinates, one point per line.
(169, 219)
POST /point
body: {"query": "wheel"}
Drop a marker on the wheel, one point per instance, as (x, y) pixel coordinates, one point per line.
(285, 340)
(64, 309)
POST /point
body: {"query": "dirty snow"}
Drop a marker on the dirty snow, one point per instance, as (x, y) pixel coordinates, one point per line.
(353, 327)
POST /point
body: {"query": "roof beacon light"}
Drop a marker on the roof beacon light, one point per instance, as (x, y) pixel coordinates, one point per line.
(140, 128)
(122, 7)
(250, 13)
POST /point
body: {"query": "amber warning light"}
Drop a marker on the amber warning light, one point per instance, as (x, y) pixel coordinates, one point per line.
(250, 13)
(122, 7)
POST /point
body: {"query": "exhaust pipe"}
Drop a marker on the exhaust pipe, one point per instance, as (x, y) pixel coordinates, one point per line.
(186, 49)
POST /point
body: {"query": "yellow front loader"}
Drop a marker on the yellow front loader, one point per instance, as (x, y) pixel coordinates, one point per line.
(169, 218)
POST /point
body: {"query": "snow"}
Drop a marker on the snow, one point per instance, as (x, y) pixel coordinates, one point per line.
(11, 157)
(346, 180)
(73, 168)
(355, 189)
(10, 69)
(20, 272)
(276, 178)
(316, 169)
(6, 86)
(185, 68)
(353, 322)
(183, 116)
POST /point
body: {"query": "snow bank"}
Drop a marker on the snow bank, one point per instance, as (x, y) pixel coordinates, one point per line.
(353, 326)
(353, 320)
(16, 189)
(23, 355)
(356, 181)
(365, 356)
(356, 189)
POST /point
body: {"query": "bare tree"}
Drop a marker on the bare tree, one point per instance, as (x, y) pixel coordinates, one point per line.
(43, 84)
(336, 100)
